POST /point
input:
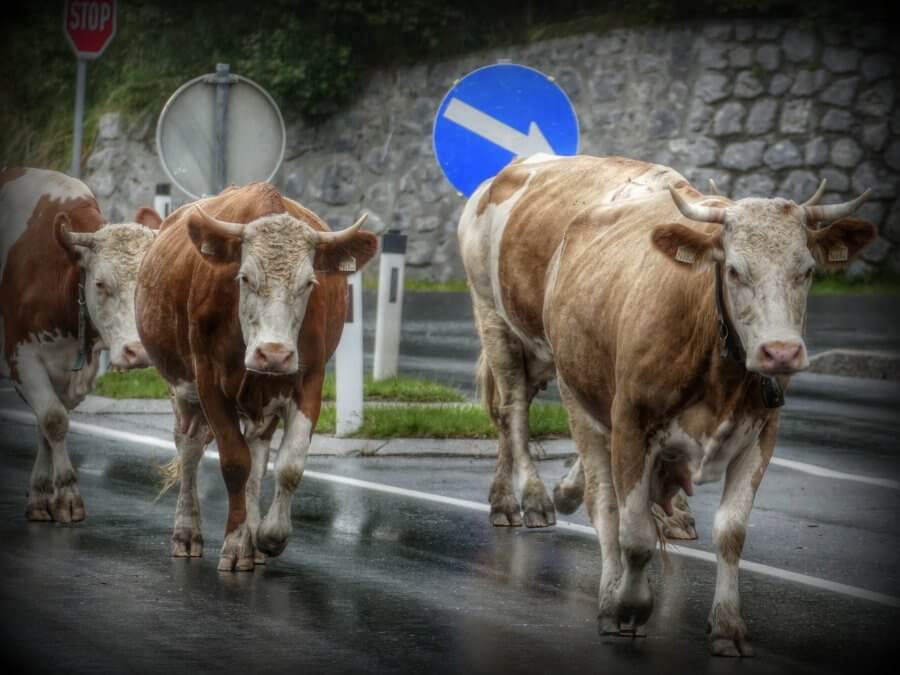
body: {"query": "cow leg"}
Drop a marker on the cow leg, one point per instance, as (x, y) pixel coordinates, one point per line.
(234, 460)
(595, 470)
(727, 630)
(66, 504)
(273, 533)
(259, 440)
(504, 375)
(191, 437)
(40, 491)
(632, 471)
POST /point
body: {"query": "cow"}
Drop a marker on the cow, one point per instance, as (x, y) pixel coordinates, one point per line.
(240, 302)
(672, 321)
(66, 292)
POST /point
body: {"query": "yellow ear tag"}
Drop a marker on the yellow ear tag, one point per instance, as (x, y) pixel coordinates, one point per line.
(347, 265)
(837, 253)
(685, 254)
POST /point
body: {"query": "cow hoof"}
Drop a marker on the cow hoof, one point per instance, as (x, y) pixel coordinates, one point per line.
(271, 540)
(730, 648)
(259, 558)
(728, 632)
(229, 563)
(567, 498)
(505, 510)
(186, 543)
(67, 507)
(38, 511)
(539, 510)
(505, 518)
(608, 625)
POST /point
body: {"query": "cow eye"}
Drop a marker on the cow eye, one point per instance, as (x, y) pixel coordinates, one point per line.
(244, 280)
(733, 274)
(101, 287)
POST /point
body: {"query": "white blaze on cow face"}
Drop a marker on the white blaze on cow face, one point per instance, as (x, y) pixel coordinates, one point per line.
(110, 258)
(767, 272)
(276, 279)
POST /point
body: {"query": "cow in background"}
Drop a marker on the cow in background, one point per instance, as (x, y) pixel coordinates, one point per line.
(67, 284)
(672, 321)
(241, 301)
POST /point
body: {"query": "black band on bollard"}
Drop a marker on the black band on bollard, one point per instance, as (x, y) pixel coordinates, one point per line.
(393, 241)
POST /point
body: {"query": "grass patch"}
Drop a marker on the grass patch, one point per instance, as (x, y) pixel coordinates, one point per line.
(400, 388)
(411, 285)
(546, 420)
(143, 383)
(147, 383)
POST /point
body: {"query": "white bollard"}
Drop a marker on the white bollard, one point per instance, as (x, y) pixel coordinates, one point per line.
(162, 200)
(390, 305)
(348, 363)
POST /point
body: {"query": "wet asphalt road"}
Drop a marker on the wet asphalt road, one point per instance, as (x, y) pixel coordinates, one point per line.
(400, 581)
(383, 582)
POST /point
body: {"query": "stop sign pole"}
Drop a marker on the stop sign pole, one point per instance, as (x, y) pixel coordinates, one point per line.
(89, 26)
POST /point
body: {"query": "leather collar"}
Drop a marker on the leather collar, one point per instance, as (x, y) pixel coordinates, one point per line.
(771, 391)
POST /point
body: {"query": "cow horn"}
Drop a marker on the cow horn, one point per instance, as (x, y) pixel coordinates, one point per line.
(703, 214)
(221, 227)
(812, 201)
(341, 236)
(85, 239)
(815, 214)
(713, 189)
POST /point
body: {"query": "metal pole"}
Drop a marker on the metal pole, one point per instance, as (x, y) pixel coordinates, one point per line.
(348, 363)
(390, 305)
(222, 84)
(80, 81)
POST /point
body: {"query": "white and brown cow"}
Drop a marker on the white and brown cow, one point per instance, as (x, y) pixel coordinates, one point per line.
(241, 301)
(66, 293)
(604, 272)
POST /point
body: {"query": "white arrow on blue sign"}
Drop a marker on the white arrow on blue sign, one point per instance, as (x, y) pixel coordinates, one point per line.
(497, 113)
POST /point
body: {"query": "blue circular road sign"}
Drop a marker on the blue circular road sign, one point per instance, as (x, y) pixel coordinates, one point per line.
(497, 113)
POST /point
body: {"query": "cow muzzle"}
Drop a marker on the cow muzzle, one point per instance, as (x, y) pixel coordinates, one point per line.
(273, 358)
(132, 355)
(781, 357)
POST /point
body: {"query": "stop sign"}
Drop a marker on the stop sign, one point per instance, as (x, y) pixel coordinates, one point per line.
(89, 26)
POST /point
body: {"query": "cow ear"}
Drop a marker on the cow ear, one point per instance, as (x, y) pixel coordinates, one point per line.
(215, 248)
(148, 218)
(836, 245)
(347, 257)
(686, 245)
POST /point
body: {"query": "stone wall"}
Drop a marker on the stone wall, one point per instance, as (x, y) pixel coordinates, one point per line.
(764, 108)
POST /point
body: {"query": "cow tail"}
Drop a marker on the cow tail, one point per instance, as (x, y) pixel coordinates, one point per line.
(663, 541)
(171, 474)
(486, 388)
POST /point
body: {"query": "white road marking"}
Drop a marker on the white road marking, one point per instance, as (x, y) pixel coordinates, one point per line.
(759, 568)
(822, 472)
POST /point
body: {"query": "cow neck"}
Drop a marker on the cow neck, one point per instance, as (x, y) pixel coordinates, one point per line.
(733, 349)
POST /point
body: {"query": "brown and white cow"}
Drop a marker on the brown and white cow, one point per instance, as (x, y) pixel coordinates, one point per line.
(241, 301)
(603, 271)
(64, 272)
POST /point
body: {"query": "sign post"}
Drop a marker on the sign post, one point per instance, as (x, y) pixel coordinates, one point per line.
(348, 363)
(89, 26)
(390, 305)
(495, 114)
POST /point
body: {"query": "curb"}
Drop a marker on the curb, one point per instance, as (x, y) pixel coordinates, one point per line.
(874, 365)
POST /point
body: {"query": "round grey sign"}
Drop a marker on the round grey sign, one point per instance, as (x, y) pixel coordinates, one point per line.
(217, 130)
